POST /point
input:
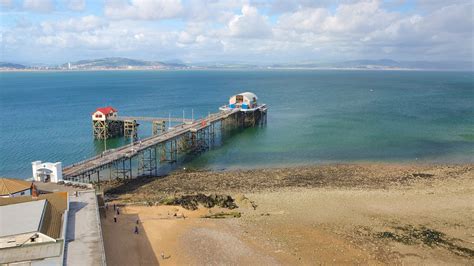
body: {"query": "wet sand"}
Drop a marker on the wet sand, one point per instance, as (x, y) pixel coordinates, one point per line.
(349, 214)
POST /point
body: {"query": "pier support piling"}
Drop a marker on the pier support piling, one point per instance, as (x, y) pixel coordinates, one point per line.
(130, 129)
(147, 162)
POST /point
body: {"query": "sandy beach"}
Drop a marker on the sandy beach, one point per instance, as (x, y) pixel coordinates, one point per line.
(344, 214)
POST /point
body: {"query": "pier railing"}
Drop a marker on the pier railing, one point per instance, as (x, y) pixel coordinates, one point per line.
(191, 133)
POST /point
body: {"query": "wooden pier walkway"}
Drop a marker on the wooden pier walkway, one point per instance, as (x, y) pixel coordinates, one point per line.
(153, 119)
(93, 165)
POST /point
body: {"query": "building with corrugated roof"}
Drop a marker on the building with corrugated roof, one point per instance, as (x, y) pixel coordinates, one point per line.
(10, 187)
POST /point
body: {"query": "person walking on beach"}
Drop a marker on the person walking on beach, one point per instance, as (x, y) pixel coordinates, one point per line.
(118, 212)
(115, 218)
(136, 230)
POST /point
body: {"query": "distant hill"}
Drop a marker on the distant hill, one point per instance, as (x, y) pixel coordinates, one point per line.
(120, 63)
(384, 64)
(111, 63)
(6, 65)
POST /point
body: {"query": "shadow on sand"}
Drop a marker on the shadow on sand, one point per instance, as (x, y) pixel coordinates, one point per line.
(122, 245)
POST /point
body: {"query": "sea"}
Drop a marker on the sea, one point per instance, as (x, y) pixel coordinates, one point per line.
(314, 116)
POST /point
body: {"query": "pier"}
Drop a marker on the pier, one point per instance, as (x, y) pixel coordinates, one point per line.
(187, 136)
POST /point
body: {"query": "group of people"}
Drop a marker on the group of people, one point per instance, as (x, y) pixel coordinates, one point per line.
(117, 213)
(137, 223)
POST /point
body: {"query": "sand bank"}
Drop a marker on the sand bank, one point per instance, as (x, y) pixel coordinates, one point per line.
(365, 213)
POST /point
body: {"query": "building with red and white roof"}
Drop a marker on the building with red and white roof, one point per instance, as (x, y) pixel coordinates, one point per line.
(104, 113)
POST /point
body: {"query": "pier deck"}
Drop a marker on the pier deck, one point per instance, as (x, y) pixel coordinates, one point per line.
(106, 159)
(152, 119)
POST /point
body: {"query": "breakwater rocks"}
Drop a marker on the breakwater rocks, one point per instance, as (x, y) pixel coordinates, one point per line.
(191, 202)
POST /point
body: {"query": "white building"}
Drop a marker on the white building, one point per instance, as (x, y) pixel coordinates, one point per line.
(244, 100)
(47, 172)
(104, 113)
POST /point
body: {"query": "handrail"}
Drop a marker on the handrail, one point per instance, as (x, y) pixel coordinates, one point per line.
(149, 141)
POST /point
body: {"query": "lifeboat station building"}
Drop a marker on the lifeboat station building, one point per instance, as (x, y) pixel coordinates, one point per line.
(244, 101)
(104, 113)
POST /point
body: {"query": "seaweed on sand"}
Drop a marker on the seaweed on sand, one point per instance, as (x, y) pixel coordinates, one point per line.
(411, 235)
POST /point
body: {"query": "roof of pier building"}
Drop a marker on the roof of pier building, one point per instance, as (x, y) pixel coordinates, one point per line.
(106, 110)
(247, 97)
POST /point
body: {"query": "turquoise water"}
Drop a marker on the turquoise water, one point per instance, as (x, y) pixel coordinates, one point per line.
(314, 116)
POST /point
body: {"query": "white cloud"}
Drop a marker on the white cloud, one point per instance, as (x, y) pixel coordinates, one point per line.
(87, 23)
(250, 24)
(305, 20)
(220, 11)
(42, 6)
(143, 9)
(349, 19)
(227, 30)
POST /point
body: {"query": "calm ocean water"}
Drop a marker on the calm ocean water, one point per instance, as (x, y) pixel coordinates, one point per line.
(314, 116)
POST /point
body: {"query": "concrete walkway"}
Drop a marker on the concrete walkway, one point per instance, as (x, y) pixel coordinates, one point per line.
(84, 244)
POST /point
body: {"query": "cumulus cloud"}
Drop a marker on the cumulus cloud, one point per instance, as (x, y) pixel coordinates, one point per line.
(250, 24)
(349, 19)
(81, 24)
(42, 6)
(249, 30)
(143, 9)
(220, 11)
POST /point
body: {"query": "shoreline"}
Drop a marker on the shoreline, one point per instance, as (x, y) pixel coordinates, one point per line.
(337, 213)
(340, 175)
(241, 69)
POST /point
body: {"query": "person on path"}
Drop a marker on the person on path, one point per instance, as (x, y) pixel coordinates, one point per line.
(115, 218)
(114, 206)
(118, 212)
(138, 221)
(136, 230)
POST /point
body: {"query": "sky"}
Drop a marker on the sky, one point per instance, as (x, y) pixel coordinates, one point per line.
(252, 31)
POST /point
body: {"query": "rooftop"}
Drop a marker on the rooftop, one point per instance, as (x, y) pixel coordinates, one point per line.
(21, 218)
(11, 186)
(53, 211)
(106, 110)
